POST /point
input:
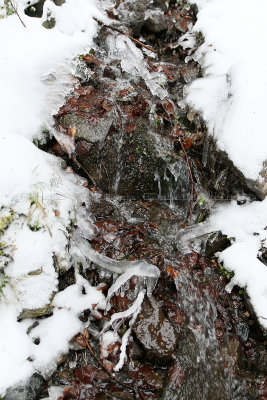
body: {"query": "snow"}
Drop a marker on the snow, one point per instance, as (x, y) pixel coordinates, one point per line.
(247, 225)
(232, 98)
(39, 197)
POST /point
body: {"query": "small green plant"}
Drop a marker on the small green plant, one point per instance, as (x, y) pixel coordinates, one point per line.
(3, 245)
(162, 80)
(157, 122)
(36, 226)
(223, 271)
(5, 221)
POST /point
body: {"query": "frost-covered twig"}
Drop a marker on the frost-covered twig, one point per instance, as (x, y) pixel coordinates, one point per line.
(123, 33)
(85, 337)
(16, 12)
(126, 269)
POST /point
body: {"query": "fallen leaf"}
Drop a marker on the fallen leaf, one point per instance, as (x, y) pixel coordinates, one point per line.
(176, 375)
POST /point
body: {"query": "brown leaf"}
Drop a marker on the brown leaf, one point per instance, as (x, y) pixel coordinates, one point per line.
(57, 213)
(91, 59)
(71, 392)
(72, 132)
(176, 375)
(168, 107)
(86, 374)
(131, 127)
(172, 271)
(131, 158)
(108, 365)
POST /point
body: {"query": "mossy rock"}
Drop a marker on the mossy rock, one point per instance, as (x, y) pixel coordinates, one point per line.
(137, 164)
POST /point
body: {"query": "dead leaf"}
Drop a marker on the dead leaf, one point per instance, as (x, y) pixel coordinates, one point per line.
(176, 375)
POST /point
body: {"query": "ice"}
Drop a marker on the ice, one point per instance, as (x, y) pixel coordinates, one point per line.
(132, 61)
(132, 312)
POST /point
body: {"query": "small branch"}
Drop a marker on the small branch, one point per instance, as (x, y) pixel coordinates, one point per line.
(103, 366)
(123, 33)
(15, 11)
(74, 159)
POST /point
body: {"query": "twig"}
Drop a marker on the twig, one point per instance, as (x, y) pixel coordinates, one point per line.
(103, 366)
(123, 33)
(74, 159)
(15, 11)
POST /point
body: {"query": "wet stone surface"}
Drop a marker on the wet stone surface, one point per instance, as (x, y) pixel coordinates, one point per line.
(155, 333)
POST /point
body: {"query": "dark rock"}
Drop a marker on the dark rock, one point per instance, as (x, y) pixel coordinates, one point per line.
(102, 208)
(109, 72)
(36, 10)
(138, 165)
(189, 73)
(49, 23)
(203, 378)
(215, 242)
(85, 130)
(29, 391)
(155, 21)
(155, 333)
(211, 243)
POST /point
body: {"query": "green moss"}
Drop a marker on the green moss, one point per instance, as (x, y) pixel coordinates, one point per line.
(223, 271)
(5, 221)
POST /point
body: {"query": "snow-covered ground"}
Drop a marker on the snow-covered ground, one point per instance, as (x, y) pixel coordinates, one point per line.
(38, 199)
(232, 97)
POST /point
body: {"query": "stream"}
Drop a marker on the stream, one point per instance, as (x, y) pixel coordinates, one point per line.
(153, 174)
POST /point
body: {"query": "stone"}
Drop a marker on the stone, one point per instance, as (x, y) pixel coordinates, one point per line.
(37, 312)
(259, 186)
(29, 391)
(87, 131)
(36, 9)
(155, 21)
(155, 333)
(102, 208)
(138, 164)
(50, 23)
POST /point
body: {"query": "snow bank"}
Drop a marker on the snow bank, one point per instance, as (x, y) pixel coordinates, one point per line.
(247, 224)
(38, 200)
(232, 96)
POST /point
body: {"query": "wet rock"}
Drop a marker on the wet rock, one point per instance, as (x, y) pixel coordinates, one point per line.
(215, 242)
(189, 73)
(102, 208)
(36, 9)
(49, 23)
(259, 186)
(137, 164)
(211, 243)
(197, 381)
(86, 130)
(155, 333)
(29, 391)
(155, 21)
(37, 312)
